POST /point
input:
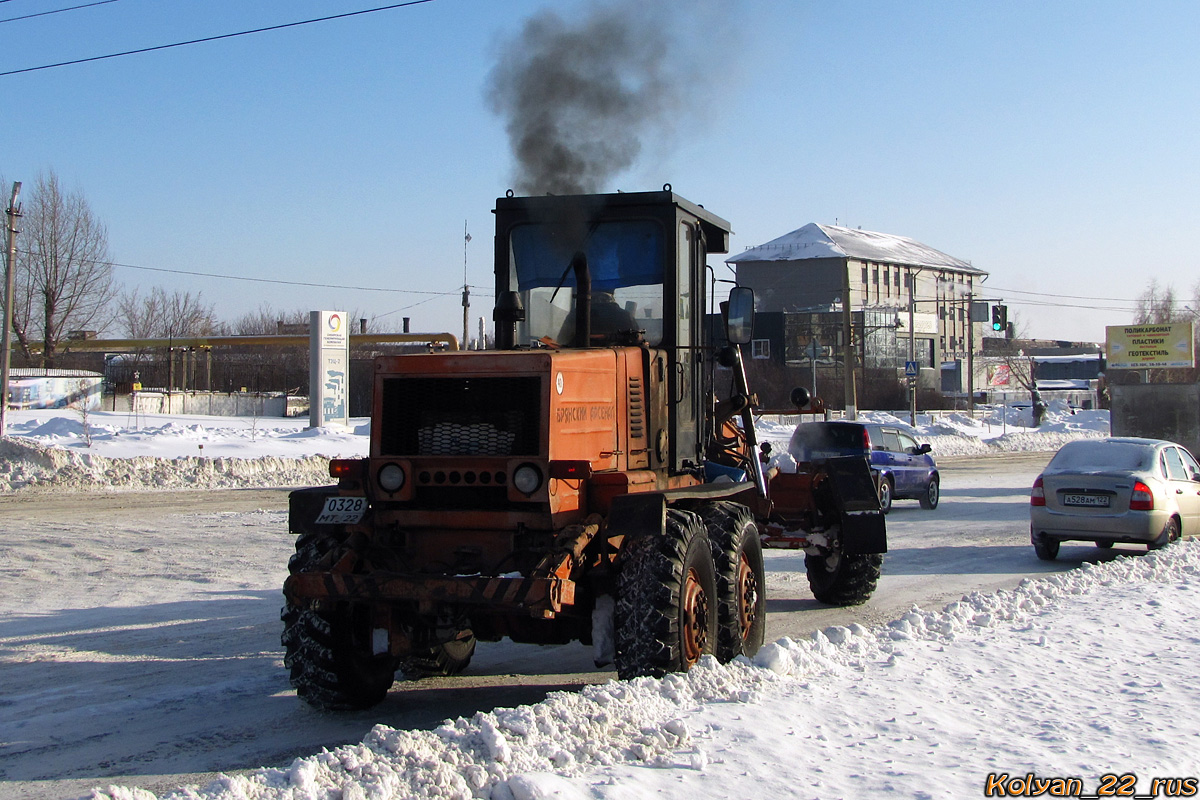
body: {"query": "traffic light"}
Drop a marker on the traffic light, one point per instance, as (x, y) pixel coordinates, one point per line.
(999, 317)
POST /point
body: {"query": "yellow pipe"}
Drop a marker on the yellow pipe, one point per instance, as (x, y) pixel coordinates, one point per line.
(356, 340)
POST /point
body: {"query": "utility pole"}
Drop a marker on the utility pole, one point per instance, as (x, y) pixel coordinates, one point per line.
(10, 257)
(466, 297)
(970, 350)
(912, 346)
(851, 399)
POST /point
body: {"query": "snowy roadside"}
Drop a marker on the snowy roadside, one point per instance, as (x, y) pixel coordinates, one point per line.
(1085, 673)
(118, 452)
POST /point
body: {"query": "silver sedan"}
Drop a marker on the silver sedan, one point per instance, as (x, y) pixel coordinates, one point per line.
(1145, 491)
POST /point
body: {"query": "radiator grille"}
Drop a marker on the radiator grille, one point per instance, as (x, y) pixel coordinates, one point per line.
(460, 416)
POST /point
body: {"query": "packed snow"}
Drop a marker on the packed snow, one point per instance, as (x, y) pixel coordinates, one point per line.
(1080, 675)
(1075, 676)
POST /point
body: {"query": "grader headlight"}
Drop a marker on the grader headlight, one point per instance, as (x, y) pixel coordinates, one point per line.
(527, 478)
(391, 478)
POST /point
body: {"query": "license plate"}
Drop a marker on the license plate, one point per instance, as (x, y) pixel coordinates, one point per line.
(342, 510)
(1090, 500)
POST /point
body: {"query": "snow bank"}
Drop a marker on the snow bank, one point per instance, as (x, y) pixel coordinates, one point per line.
(26, 465)
(536, 752)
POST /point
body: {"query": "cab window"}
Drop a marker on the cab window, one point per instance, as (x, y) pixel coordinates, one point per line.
(624, 261)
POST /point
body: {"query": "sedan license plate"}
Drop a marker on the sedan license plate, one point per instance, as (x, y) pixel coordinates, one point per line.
(1089, 500)
(342, 510)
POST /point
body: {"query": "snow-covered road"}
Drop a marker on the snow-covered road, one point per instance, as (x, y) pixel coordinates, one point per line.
(139, 636)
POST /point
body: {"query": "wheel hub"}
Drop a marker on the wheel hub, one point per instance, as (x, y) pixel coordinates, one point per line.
(695, 618)
(747, 597)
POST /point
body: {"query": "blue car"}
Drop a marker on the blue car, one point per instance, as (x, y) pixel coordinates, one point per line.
(903, 469)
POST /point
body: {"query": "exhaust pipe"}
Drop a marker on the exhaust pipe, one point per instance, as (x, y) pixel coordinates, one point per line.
(583, 300)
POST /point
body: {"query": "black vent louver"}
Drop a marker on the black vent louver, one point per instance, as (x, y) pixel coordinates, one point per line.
(637, 408)
(460, 416)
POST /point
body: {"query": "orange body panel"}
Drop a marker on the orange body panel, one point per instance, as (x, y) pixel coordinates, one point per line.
(792, 493)
(586, 398)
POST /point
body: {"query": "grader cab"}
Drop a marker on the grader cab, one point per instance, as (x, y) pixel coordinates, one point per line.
(588, 480)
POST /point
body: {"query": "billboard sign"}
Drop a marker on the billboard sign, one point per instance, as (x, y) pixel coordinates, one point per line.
(1168, 344)
(329, 368)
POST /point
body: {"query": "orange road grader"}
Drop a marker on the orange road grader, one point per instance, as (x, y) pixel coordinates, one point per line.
(594, 478)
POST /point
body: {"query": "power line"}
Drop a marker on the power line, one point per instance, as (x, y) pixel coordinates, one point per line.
(277, 281)
(1057, 294)
(266, 280)
(1049, 304)
(57, 11)
(214, 38)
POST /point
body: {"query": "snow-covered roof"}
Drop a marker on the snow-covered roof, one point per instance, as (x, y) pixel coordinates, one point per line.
(832, 241)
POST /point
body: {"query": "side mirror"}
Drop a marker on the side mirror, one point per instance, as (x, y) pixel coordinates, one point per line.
(739, 323)
(923, 448)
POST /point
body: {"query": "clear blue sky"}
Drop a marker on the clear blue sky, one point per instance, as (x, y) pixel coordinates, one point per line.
(1051, 144)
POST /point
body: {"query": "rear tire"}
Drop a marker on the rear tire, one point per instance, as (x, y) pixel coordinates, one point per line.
(837, 579)
(327, 646)
(1104, 545)
(1170, 534)
(932, 495)
(886, 492)
(1046, 549)
(741, 579)
(666, 612)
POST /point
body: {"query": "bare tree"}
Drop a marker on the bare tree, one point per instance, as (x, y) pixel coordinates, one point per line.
(63, 274)
(163, 315)
(1156, 304)
(267, 320)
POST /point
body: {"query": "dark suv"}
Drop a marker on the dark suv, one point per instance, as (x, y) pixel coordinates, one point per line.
(903, 469)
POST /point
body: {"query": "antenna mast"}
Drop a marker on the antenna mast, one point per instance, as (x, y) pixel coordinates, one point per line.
(466, 296)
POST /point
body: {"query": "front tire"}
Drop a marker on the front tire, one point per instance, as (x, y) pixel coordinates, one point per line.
(837, 579)
(327, 646)
(741, 579)
(666, 612)
(440, 660)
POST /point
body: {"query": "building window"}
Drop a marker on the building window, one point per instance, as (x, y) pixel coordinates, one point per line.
(760, 348)
(897, 277)
(864, 275)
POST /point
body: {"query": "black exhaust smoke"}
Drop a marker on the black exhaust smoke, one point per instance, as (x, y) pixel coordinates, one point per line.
(580, 99)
